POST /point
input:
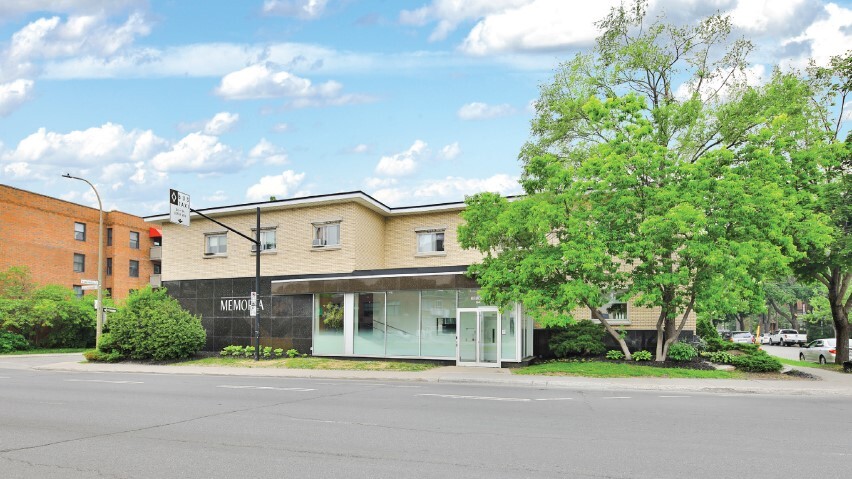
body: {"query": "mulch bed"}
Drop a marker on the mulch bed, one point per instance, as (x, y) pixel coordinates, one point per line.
(697, 363)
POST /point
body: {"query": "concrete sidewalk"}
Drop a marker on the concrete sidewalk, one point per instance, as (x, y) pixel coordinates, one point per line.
(830, 383)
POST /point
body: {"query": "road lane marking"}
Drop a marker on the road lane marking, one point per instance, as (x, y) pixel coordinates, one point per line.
(555, 399)
(674, 396)
(5, 377)
(482, 398)
(265, 388)
(102, 381)
(617, 397)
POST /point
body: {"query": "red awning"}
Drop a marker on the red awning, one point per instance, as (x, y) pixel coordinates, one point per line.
(155, 233)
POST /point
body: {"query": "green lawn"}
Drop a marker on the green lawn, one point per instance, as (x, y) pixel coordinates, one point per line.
(311, 363)
(601, 369)
(807, 364)
(46, 351)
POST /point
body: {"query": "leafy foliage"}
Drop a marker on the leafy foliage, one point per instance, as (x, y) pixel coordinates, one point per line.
(642, 355)
(720, 357)
(582, 338)
(757, 362)
(614, 354)
(12, 342)
(682, 352)
(705, 330)
(153, 325)
(51, 316)
(332, 316)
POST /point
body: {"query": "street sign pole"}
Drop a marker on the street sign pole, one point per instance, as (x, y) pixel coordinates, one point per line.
(257, 288)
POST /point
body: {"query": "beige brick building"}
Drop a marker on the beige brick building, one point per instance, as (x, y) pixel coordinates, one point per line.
(345, 275)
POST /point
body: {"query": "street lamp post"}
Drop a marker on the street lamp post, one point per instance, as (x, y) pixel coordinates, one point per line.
(100, 304)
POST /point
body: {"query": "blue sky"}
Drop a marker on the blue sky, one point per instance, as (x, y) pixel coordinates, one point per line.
(413, 102)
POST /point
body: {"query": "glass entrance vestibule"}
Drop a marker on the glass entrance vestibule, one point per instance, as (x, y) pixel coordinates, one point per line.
(424, 324)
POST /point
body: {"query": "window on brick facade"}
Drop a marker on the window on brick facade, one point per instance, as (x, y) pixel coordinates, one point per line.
(79, 263)
(109, 237)
(78, 290)
(267, 239)
(134, 268)
(134, 239)
(158, 268)
(215, 244)
(430, 241)
(614, 310)
(109, 267)
(326, 234)
(80, 231)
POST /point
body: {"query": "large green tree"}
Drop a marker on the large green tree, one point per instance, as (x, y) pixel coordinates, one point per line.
(641, 178)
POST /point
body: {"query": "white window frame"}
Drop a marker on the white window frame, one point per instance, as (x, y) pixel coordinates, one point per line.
(79, 235)
(319, 234)
(217, 234)
(130, 268)
(433, 232)
(264, 230)
(135, 244)
(612, 300)
(82, 264)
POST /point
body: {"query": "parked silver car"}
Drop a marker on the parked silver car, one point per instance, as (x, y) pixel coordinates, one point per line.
(742, 337)
(821, 351)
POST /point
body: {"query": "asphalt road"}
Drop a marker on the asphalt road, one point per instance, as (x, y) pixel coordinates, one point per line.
(88, 425)
(788, 352)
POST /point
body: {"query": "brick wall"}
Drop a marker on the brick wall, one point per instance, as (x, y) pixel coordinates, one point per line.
(37, 231)
(401, 241)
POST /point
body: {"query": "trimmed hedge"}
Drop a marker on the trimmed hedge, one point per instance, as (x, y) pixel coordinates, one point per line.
(757, 362)
(583, 338)
(12, 342)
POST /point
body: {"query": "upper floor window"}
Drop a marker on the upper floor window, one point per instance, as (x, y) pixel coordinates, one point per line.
(267, 240)
(134, 268)
(158, 268)
(109, 236)
(215, 244)
(109, 267)
(134, 239)
(430, 240)
(79, 263)
(326, 234)
(80, 231)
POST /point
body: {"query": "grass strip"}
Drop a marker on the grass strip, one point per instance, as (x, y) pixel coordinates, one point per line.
(44, 351)
(600, 369)
(311, 363)
(806, 364)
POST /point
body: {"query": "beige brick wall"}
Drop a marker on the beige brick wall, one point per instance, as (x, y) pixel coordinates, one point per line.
(401, 241)
(361, 247)
(640, 318)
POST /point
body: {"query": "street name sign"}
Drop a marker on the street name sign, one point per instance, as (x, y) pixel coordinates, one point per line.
(88, 287)
(178, 207)
(89, 281)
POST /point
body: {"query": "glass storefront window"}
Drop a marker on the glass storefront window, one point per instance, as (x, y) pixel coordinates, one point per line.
(469, 298)
(403, 323)
(328, 323)
(508, 333)
(370, 324)
(438, 323)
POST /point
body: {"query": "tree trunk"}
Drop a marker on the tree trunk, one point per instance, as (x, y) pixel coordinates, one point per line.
(741, 321)
(661, 336)
(676, 334)
(612, 332)
(837, 286)
(794, 318)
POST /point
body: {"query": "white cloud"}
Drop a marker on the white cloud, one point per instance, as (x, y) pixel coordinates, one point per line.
(279, 186)
(217, 197)
(760, 16)
(307, 9)
(360, 149)
(450, 13)
(484, 111)
(14, 94)
(221, 123)
(451, 151)
(17, 170)
(828, 36)
(404, 163)
(269, 153)
(450, 188)
(281, 127)
(712, 85)
(105, 144)
(21, 7)
(261, 81)
(372, 183)
(196, 152)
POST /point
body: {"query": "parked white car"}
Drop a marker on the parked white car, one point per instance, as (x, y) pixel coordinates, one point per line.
(821, 351)
(764, 338)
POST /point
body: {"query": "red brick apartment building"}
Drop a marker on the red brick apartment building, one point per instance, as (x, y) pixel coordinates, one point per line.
(58, 241)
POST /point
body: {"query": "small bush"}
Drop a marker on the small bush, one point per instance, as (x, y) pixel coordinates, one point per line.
(642, 356)
(153, 325)
(720, 357)
(266, 352)
(614, 354)
(719, 344)
(292, 353)
(12, 342)
(98, 356)
(250, 351)
(682, 352)
(759, 362)
(278, 352)
(705, 329)
(583, 338)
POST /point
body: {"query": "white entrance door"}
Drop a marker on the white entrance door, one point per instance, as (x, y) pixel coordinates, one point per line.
(478, 337)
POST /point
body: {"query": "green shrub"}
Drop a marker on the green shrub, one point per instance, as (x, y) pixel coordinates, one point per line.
(250, 351)
(720, 357)
(292, 353)
(266, 352)
(705, 330)
(682, 352)
(96, 355)
(719, 344)
(582, 338)
(614, 354)
(278, 352)
(153, 325)
(10, 341)
(50, 317)
(758, 362)
(747, 348)
(642, 356)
